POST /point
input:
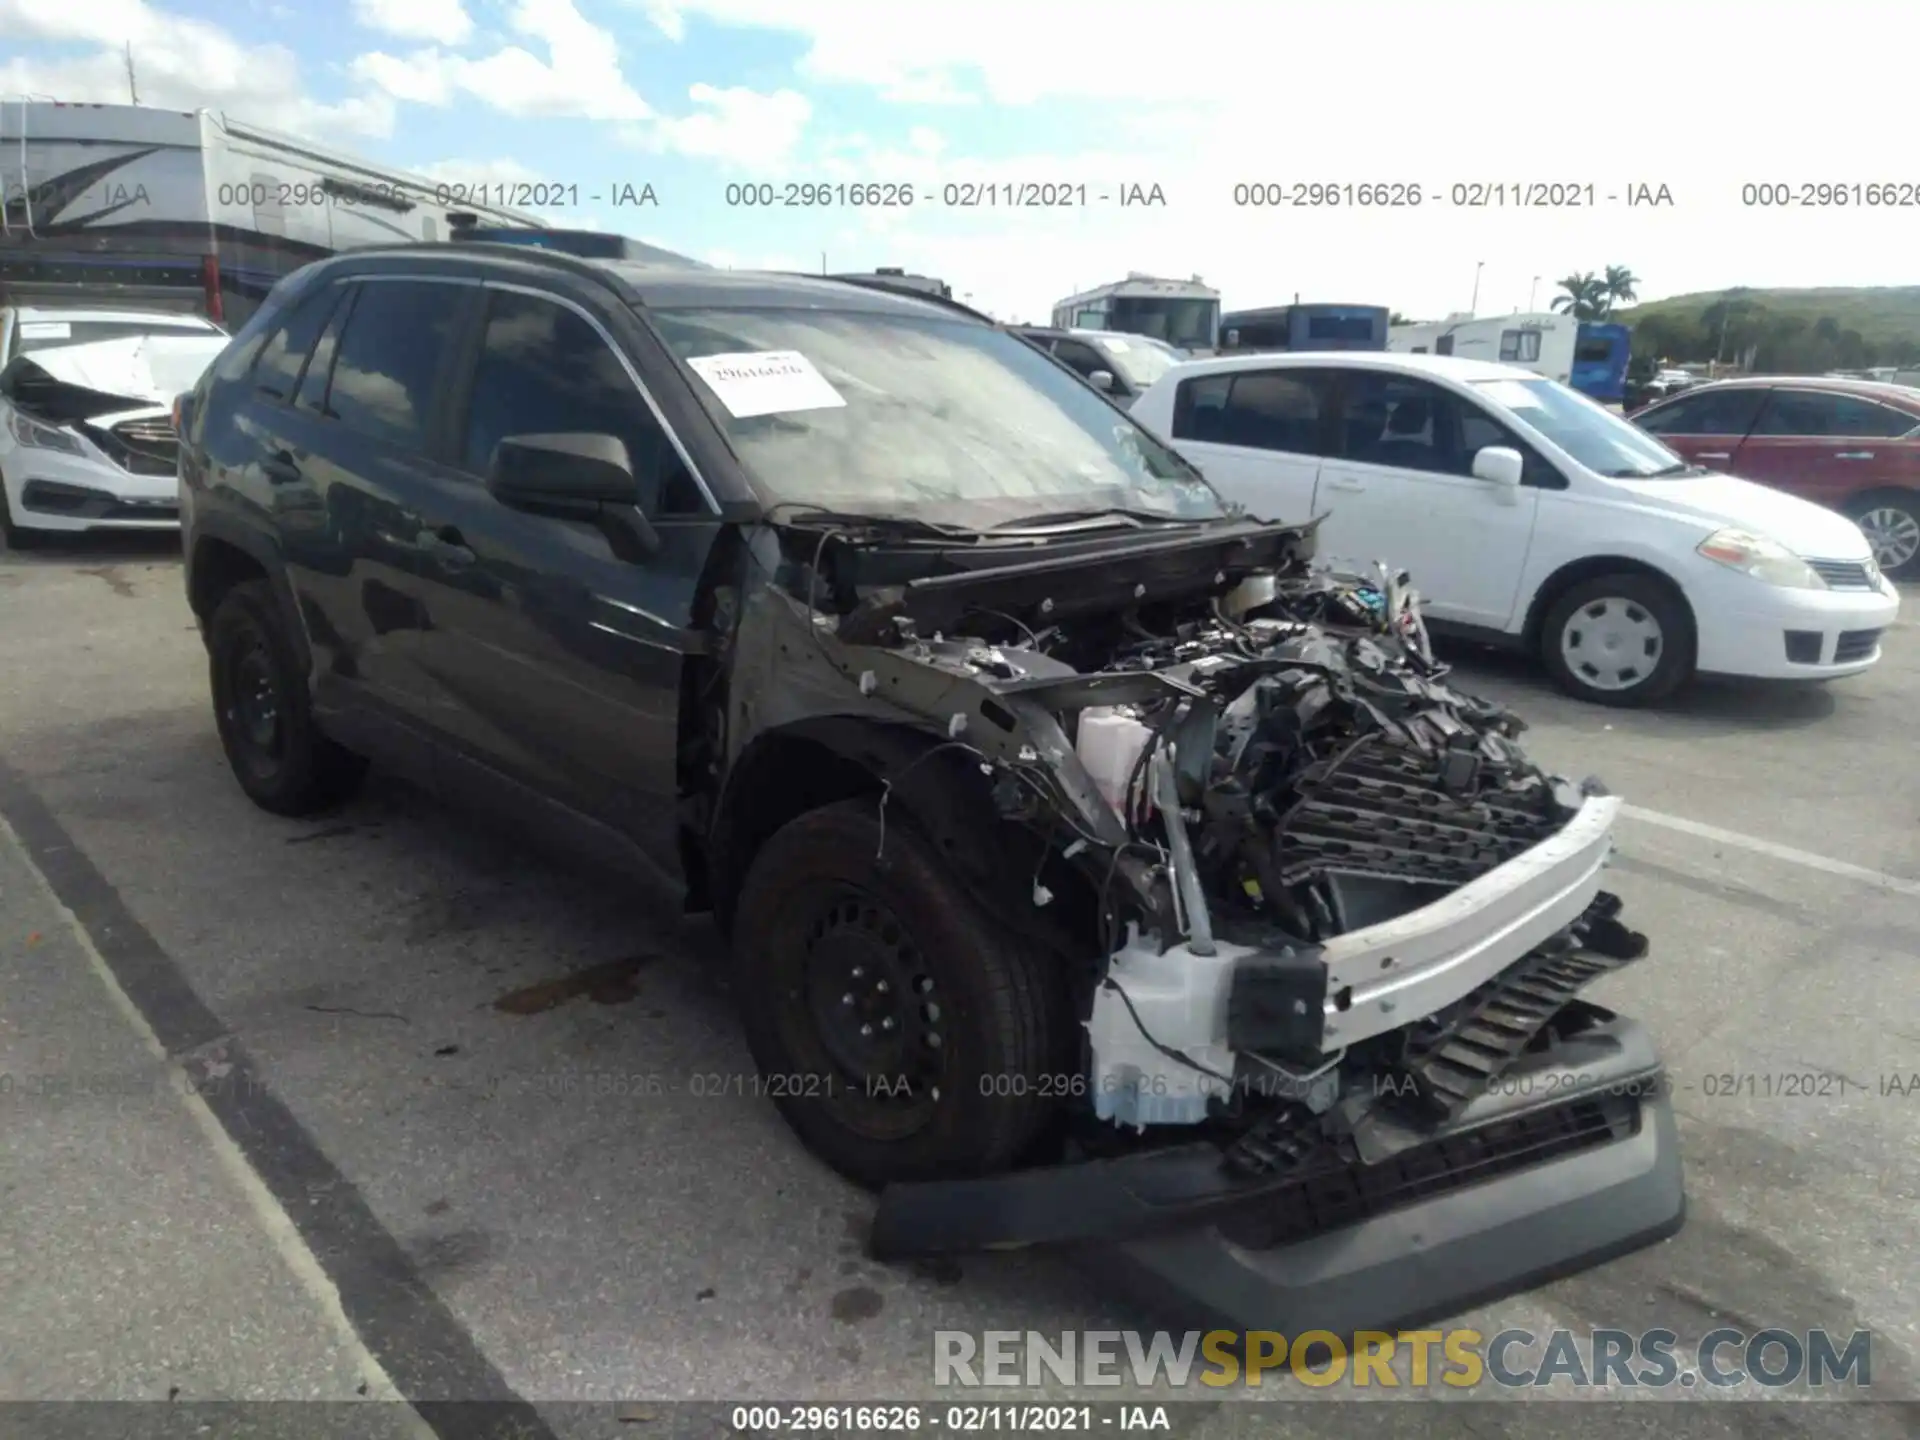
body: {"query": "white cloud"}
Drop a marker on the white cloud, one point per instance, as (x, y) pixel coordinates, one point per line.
(445, 22)
(736, 126)
(180, 63)
(581, 76)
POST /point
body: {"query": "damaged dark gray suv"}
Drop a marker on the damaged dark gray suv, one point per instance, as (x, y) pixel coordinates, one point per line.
(1096, 868)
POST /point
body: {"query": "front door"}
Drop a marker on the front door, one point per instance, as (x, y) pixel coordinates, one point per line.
(558, 649)
(1400, 488)
(1706, 428)
(1258, 436)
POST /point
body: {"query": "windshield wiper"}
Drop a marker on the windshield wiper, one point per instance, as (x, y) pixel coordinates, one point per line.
(788, 510)
(1117, 513)
(1663, 473)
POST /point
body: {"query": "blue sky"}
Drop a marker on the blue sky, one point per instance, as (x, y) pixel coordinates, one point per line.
(690, 96)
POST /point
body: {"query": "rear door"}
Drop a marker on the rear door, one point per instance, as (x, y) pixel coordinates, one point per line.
(370, 403)
(1400, 488)
(1258, 435)
(558, 659)
(1706, 428)
(1827, 446)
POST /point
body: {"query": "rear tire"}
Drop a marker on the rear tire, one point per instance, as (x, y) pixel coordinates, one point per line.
(958, 1069)
(1890, 519)
(1623, 640)
(261, 707)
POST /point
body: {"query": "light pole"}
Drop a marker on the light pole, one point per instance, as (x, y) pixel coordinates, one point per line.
(1533, 294)
(1473, 307)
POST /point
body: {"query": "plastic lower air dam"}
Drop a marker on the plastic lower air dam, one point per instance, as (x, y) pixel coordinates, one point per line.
(1421, 1260)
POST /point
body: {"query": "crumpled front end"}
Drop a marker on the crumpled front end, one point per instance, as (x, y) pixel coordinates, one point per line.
(1343, 920)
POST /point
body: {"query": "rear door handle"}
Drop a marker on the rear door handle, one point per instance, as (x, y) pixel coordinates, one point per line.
(447, 545)
(1715, 455)
(1854, 455)
(1354, 485)
(280, 468)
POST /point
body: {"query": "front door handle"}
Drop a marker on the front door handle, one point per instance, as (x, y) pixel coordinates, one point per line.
(1352, 485)
(1715, 455)
(1854, 455)
(447, 545)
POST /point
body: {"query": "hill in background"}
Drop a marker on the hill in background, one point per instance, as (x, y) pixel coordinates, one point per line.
(1783, 331)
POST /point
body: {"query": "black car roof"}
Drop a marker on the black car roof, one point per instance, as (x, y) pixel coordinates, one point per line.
(666, 285)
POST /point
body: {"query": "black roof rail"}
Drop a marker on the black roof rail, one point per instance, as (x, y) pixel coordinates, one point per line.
(886, 283)
(600, 271)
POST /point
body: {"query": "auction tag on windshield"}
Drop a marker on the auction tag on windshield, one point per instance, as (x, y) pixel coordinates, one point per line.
(1514, 394)
(45, 330)
(766, 382)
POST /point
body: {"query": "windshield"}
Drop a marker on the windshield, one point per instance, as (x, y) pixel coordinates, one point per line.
(923, 417)
(1140, 360)
(1592, 434)
(1189, 324)
(32, 335)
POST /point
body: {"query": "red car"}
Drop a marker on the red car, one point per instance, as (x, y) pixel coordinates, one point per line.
(1853, 445)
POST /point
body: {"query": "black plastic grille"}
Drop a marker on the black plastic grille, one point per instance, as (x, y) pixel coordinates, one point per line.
(1855, 645)
(1329, 1200)
(1843, 574)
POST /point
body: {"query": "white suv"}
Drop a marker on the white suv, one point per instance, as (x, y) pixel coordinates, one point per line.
(1530, 516)
(86, 425)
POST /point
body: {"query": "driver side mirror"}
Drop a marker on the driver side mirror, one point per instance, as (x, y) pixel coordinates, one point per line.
(575, 476)
(1499, 465)
(1101, 380)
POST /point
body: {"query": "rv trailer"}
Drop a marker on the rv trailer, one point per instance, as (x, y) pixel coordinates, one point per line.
(1304, 327)
(1543, 343)
(1182, 313)
(193, 210)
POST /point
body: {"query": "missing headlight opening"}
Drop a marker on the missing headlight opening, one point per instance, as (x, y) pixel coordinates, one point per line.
(1302, 900)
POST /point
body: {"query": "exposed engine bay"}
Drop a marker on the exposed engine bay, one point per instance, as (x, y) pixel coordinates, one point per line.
(1334, 897)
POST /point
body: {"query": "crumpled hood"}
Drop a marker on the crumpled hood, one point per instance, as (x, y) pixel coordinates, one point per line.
(136, 370)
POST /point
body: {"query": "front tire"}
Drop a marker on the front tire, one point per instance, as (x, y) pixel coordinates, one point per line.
(1623, 640)
(261, 707)
(1890, 520)
(903, 1034)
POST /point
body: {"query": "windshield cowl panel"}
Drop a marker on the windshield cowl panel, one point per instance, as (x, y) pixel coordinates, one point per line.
(920, 418)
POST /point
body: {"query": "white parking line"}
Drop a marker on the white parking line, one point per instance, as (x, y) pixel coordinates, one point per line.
(1805, 858)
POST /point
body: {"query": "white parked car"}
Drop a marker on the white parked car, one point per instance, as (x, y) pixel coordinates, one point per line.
(86, 423)
(1533, 517)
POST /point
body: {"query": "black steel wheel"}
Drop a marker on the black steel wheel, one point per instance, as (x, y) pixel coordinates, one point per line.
(904, 1034)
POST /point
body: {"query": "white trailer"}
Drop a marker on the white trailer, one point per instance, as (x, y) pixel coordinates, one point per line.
(194, 209)
(1182, 313)
(1543, 342)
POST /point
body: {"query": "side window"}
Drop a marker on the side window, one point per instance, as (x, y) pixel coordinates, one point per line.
(319, 371)
(1200, 408)
(276, 371)
(1277, 410)
(1722, 412)
(1478, 430)
(545, 370)
(1444, 345)
(388, 362)
(1405, 423)
(1081, 358)
(1806, 412)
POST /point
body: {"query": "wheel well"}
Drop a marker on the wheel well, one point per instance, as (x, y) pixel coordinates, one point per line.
(1882, 492)
(1592, 567)
(218, 566)
(780, 778)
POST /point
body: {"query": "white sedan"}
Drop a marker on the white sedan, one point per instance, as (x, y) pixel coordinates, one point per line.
(1532, 517)
(86, 433)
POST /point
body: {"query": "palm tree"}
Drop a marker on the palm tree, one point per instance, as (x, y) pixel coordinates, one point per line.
(1621, 287)
(1583, 296)
(1394, 317)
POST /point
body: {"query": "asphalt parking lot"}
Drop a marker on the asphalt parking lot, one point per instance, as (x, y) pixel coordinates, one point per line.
(498, 1177)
